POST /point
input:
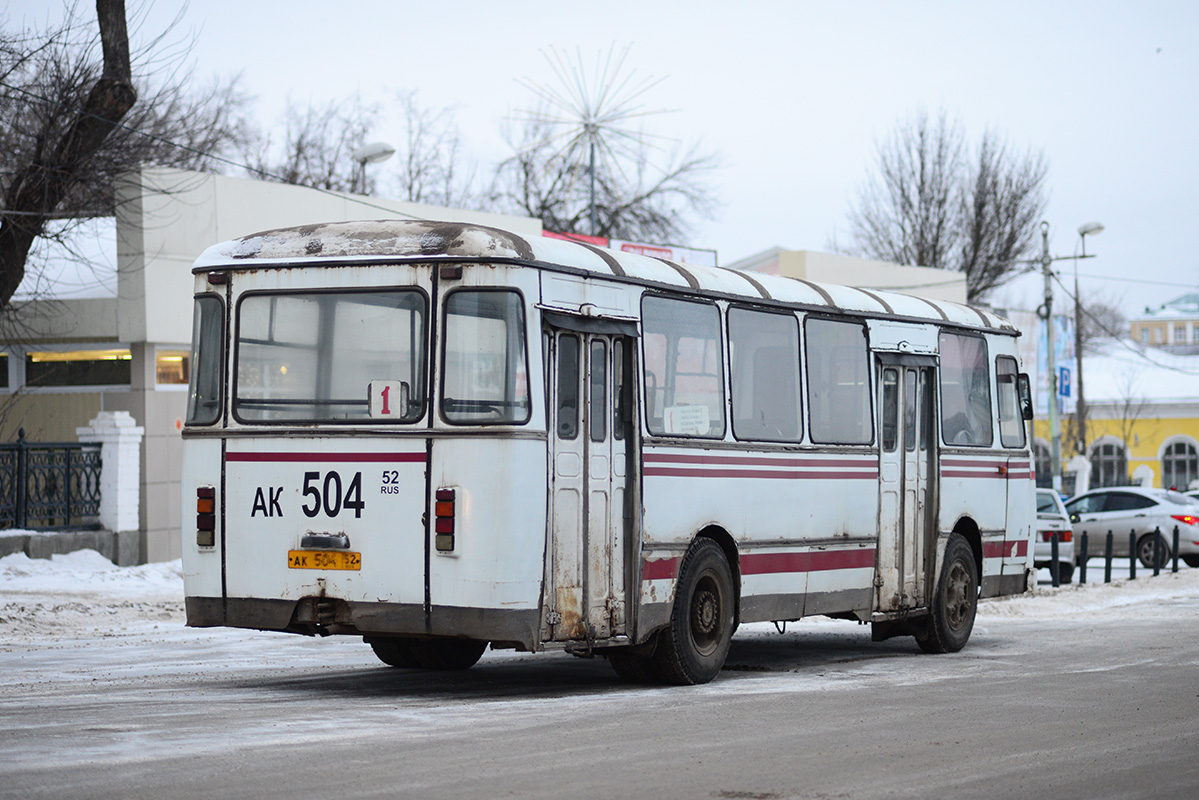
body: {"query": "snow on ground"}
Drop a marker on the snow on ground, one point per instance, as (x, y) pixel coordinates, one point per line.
(82, 594)
(73, 594)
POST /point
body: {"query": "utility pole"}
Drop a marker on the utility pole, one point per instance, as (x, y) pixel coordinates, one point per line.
(1055, 428)
(1080, 403)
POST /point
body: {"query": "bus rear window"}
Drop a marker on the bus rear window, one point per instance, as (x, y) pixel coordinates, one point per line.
(485, 377)
(313, 357)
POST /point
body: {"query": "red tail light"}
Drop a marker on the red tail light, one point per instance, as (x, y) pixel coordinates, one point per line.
(1063, 536)
(1186, 519)
(443, 523)
(206, 516)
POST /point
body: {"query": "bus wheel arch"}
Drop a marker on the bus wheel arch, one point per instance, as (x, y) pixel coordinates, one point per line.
(731, 555)
(968, 529)
(693, 646)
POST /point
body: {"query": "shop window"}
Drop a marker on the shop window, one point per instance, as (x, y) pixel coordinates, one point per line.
(78, 368)
(171, 367)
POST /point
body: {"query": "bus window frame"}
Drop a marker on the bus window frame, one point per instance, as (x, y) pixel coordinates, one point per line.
(234, 336)
(439, 390)
(801, 387)
(871, 378)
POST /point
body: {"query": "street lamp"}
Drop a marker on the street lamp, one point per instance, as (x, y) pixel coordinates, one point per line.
(371, 153)
(1080, 405)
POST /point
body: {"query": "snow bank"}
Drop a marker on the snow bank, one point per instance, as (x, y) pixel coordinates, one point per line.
(84, 594)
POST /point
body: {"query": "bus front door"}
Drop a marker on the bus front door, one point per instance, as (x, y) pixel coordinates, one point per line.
(907, 473)
(590, 425)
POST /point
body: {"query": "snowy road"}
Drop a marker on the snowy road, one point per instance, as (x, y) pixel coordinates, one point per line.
(1081, 692)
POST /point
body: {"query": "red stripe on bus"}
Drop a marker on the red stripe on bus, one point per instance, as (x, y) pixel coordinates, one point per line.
(387, 458)
(683, 472)
(814, 561)
(772, 563)
(1006, 549)
(660, 569)
(658, 458)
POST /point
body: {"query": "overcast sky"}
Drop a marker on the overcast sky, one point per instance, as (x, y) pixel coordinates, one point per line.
(793, 95)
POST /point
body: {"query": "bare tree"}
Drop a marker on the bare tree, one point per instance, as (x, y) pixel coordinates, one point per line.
(72, 119)
(932, 203)
(581, 166)
(1101, 319)
(317, 144)
(1002, 202)
(433, 168)
(908, 212)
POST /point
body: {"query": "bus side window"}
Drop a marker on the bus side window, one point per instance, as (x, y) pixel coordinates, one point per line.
(1011, 421)
(764, 361)
(684, 367)
(965, 390)
(838, 382)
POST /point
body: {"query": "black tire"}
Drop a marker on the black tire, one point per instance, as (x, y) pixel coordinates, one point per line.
(1190, 561)
(1065, 572)
(1145, 550)
(394, 651)
(956, 600)
(448, 654)
(692, 649)
(631, 667)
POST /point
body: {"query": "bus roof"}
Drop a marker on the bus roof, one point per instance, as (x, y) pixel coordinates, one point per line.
(403, 240)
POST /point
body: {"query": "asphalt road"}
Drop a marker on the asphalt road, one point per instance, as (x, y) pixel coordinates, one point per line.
(1043, 702)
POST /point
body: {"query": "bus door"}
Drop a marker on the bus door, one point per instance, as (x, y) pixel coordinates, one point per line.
(907, 482)
(590, 439)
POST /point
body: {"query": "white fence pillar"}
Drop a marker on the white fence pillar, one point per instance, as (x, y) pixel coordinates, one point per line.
(1143, 476)
(120, 480)
(1081, 467)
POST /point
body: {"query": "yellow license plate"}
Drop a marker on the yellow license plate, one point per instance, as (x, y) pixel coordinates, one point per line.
(323, 559)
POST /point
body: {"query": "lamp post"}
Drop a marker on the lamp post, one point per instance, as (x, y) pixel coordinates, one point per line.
(371, 153)
(1080, 405)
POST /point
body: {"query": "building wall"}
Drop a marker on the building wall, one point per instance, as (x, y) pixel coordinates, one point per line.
(1144, 436)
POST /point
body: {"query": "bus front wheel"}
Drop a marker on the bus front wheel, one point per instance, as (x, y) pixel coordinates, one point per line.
(956, 600)
(692, 649)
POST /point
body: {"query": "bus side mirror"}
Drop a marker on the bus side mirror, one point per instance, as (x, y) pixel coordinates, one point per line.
(1024, 390)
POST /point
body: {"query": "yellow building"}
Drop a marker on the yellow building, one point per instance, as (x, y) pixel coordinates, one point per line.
(1142, 420)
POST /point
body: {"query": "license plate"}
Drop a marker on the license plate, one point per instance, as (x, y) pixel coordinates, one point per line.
(323, 559)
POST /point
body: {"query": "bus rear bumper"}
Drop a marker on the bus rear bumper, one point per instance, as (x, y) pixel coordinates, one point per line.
(324, 616)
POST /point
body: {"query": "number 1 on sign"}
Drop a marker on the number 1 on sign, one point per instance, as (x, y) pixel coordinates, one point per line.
(383, 394)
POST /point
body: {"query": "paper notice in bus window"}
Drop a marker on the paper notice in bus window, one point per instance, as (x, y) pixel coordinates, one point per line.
(687, 420)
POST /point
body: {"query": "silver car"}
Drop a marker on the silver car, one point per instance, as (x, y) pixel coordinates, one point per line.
(1149, 513)
(1052, 518)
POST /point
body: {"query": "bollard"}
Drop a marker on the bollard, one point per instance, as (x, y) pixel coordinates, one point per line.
(1132, 555)
(1107, 559)
(1157, 552)
(1174, 550)
(1054, 566)
(1082, 559)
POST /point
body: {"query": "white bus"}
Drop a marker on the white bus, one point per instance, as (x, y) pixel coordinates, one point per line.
(438, 436)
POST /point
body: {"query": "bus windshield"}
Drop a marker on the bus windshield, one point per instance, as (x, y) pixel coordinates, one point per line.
(312, 357)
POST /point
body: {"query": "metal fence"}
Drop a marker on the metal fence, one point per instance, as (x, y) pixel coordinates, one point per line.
(49, 485)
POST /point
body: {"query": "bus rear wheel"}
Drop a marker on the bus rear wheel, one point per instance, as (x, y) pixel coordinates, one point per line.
(956, 600)
(448, 654)
(394, 651)
(692, 649)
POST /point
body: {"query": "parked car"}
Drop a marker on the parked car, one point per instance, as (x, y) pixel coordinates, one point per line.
(1145, 512)
(1052, 518)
